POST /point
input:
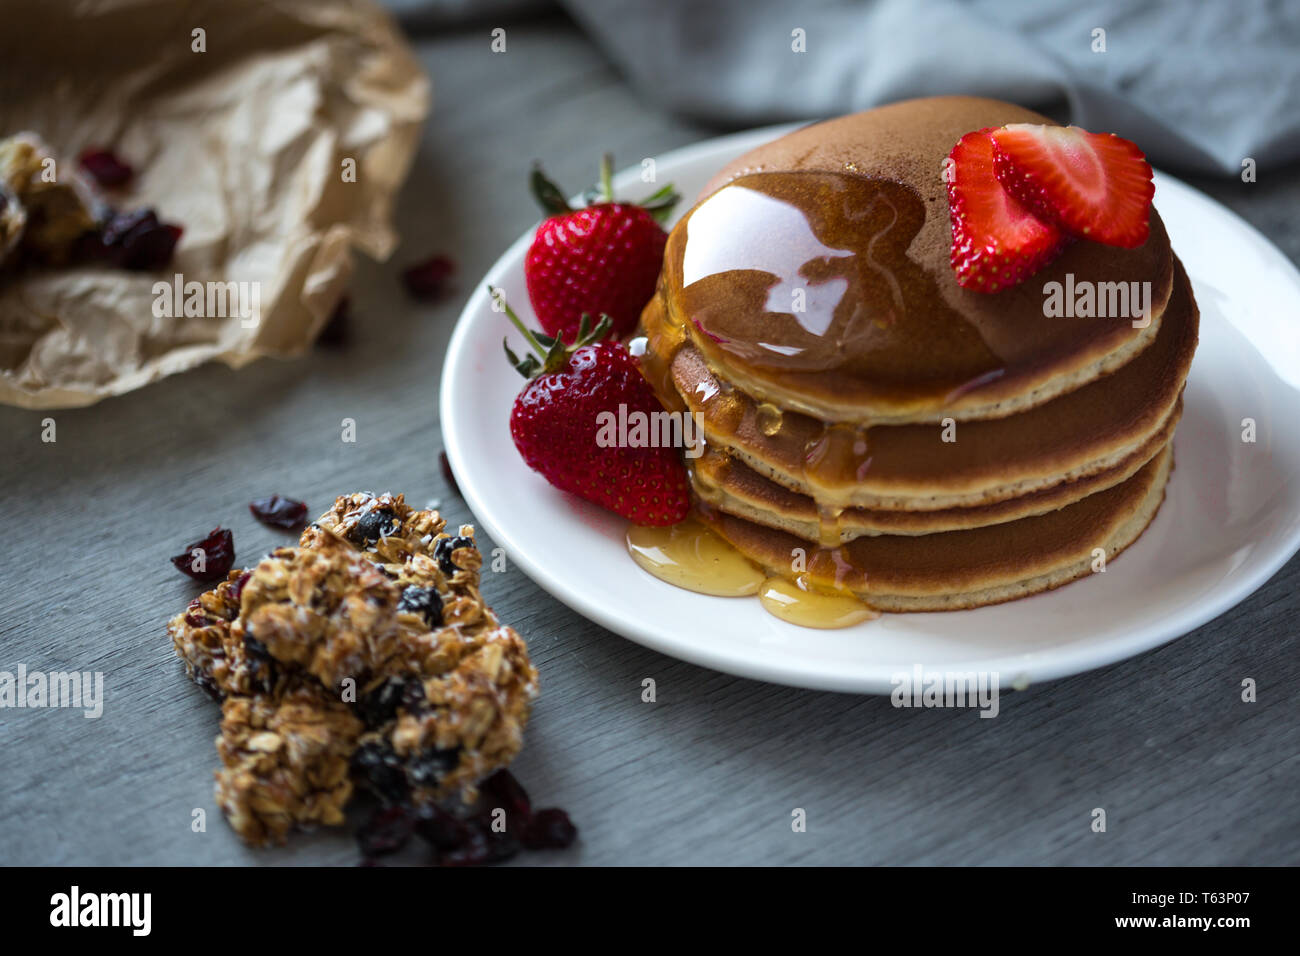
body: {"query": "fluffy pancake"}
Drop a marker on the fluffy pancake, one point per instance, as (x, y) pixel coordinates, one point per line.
(1084, 440)
(963, 569)
(815, 276)
(727, 484)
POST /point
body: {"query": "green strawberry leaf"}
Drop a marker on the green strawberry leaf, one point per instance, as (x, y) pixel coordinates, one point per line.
(660, 203)
(548, 354)
(548, 194)
(528, 366)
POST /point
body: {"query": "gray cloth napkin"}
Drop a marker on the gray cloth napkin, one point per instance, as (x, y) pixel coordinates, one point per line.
(1200, 85)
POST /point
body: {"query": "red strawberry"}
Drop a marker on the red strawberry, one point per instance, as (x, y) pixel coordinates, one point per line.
(996, 241)
(556, 421)
(603, 258)
(1093, 185)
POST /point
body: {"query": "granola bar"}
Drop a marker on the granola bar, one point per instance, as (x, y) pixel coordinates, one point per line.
(285, 761)
(44, 213)
(367, 646)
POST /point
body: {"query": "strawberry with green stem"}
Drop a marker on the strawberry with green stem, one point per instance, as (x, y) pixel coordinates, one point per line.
(558, 420)
(604, 257)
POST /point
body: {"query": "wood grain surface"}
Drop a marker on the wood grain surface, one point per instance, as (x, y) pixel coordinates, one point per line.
(710, 773)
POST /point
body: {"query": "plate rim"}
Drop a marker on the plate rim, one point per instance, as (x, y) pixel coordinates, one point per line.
(1063, 662)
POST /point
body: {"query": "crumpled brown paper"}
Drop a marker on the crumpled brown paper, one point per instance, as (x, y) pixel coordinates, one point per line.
(242, 144)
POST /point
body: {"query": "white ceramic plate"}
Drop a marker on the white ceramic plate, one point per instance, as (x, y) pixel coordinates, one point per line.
(1231, 519)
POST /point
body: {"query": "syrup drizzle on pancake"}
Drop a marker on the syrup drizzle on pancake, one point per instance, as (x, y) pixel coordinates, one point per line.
(839, 455)
(770, 419)
(807, 274)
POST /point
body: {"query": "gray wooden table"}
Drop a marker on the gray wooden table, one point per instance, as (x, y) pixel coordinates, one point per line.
(1187, 773)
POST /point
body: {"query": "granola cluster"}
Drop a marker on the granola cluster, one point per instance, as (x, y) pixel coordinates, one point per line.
(43, 213)
(363, 656)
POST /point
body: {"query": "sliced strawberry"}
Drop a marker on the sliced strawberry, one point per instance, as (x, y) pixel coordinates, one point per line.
(1093, 185)
(996, 241)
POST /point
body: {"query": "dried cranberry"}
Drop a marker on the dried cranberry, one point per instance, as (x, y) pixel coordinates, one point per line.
(279, 512)
(426, 602)
(443, 548)
(413, 694)
(467, 837)
(120, 224)
(136, 240)
(215, 559)
(426, 768)
(379, 769)
(474, 850)
(549, 829)
(427, 281)
(447, 472)
(441, 829)
(195, 615)
(237, 589)
(262, 671)
(503, 790)
(475, 844)
(380, 705)
(337, 331)
(387, 831)
(151, 249)
(209, 686)
(374, 524)
(501, 845)
(106, 168)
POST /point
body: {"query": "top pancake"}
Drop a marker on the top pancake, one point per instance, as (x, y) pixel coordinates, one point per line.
(815, 275)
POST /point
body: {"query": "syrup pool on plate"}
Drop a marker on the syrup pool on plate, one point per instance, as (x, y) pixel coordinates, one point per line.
(691, 556)
(792, 602)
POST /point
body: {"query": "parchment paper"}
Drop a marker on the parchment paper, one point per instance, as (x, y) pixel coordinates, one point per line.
(243, 145)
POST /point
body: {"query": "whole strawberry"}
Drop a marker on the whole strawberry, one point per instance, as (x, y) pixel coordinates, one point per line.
(560, 424)
(602, 258)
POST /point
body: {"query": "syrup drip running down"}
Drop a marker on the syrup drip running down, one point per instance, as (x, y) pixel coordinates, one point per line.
(691, 556)
(770, 419)
(835, 458)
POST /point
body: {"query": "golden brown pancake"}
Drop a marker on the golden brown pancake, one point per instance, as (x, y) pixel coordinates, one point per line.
(963, 569)
(725, 483)
(1117, 420)
(815, 275)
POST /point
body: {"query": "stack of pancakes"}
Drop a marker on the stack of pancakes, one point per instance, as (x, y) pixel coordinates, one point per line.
(872, 427)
